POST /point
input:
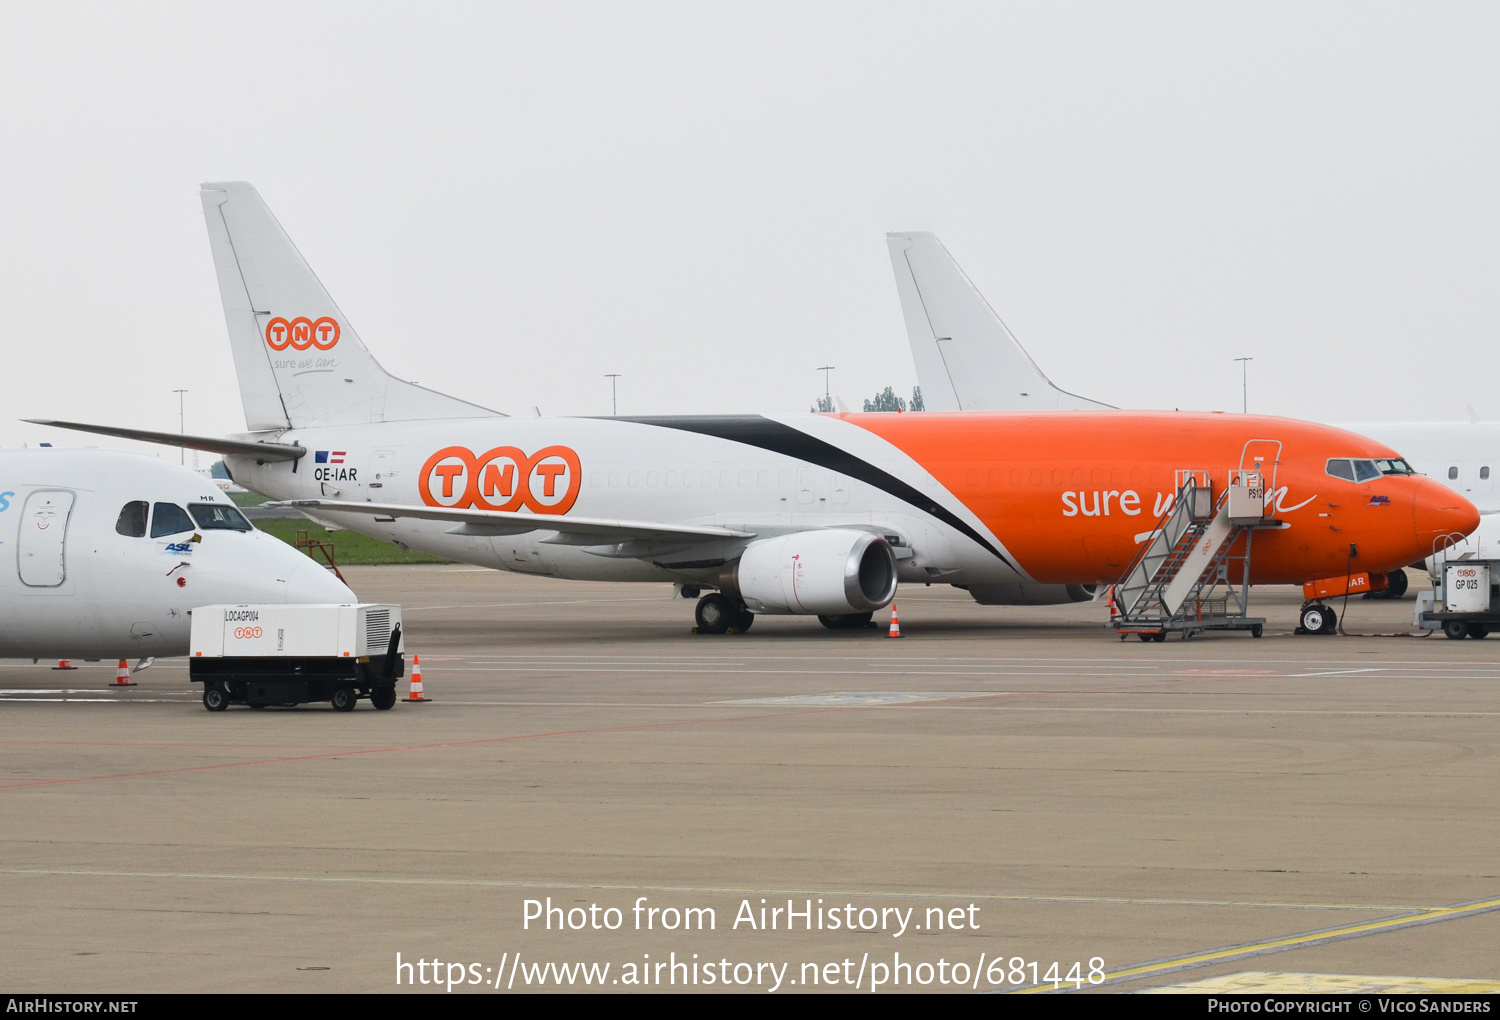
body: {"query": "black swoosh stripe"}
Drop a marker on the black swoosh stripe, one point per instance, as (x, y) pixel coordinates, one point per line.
(755, 430)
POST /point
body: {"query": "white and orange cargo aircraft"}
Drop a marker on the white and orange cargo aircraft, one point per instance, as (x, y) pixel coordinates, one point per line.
(802, 514)
(967, 359)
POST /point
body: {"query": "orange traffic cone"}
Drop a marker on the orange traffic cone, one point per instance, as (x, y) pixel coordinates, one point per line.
(122, 675)
(895, 623)
(64, 664)
(416, 680)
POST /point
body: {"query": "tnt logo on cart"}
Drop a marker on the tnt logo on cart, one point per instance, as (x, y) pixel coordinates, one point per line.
(505, 479)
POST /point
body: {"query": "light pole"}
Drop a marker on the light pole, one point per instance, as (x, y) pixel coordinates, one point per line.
(827, 400)
(181, 426)
(614, 402)
(1245, 383)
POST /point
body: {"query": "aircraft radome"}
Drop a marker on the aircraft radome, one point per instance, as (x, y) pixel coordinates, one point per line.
(104, 554)
(803, 514)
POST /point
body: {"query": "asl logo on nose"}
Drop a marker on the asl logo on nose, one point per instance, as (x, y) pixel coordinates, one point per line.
(505, 479)
(301, 333)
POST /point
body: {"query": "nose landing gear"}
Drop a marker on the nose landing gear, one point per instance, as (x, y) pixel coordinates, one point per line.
(1318, 619)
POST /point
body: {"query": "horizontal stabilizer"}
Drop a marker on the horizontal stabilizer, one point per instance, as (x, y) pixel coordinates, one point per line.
(263, 451)
(502, 522)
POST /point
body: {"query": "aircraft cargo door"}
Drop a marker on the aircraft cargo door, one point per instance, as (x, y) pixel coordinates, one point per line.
(40, 551)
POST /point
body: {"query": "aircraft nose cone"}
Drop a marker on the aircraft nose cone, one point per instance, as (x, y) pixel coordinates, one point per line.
(312, 584)
(1440, 513)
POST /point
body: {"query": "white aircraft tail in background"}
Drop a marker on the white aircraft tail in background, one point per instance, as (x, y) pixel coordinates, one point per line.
(299, 361)
(967, 360)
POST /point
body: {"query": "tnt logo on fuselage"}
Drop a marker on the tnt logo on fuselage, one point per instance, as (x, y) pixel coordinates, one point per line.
(301, 333)
(503, 479)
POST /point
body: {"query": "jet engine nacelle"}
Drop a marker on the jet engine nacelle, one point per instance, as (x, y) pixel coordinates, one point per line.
(1029, 594)
(828, 572)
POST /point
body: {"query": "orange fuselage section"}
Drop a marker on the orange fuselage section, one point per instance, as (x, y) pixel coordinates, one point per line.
(1073, 494)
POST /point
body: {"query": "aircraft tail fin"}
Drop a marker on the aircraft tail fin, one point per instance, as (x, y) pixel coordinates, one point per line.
(298, 359)
(967, 360)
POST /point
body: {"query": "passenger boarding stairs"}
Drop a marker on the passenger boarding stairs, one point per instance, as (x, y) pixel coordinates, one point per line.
(1184, 579)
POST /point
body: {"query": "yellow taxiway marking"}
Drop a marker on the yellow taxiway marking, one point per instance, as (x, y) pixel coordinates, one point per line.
(500, 883)
(1298, 941)
(1260, 982)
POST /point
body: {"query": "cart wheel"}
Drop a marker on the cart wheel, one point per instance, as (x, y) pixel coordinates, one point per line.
(1479, 631)
(1161, 636)
(215, 698)
(1455, 629)
(1144, 637)
(383, 697)
(344, 698)
(1256, 630)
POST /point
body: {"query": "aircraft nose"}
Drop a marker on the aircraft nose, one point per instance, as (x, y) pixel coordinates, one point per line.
(1439, 512)
(312, 584)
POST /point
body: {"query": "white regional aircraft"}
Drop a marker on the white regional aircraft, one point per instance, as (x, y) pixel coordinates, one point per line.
(967, 359)
(793, 514)
(103, 554)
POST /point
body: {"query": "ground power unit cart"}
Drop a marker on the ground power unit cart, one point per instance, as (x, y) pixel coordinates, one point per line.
(288, 655)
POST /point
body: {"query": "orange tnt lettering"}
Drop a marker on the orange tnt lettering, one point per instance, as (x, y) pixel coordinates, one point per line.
(549, 473)
(448, 471)
(498, 479)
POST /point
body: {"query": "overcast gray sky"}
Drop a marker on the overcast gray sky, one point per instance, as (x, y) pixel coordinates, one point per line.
(510, 200)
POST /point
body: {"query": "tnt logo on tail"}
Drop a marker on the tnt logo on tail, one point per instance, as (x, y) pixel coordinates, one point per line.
(301, 333)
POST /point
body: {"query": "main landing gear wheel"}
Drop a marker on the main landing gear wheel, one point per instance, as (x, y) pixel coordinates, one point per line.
(847, 621)
(1319, 620)
(715, 614)
(344, 698)
(215, 698)
(744, 620)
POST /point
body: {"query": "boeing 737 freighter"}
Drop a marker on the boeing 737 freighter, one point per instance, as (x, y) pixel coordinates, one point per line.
(776, 514)
(967, 359)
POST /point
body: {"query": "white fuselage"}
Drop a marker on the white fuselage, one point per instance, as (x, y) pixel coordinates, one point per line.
(637, 472)
(77, 582)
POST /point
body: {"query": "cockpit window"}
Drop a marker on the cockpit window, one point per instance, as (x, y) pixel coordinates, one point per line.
(1393, 466)
(1355, 470)
(216, 517)
(169, 519)
(132, 522)
(1341, 469)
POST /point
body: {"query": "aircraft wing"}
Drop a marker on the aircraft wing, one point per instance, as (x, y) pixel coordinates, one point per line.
(263, 451)
(497, 522)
